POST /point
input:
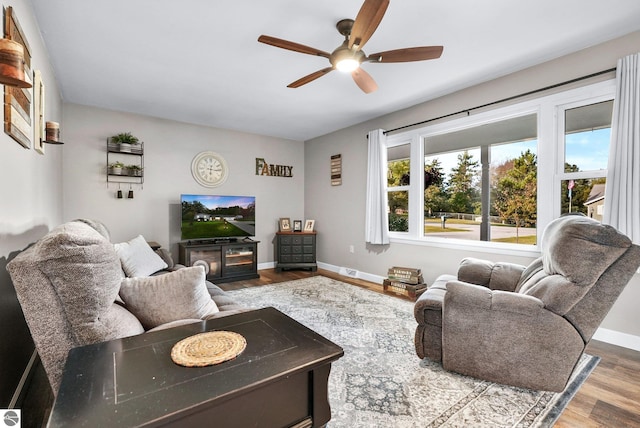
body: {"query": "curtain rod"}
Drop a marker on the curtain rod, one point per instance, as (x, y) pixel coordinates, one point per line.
(535, 91)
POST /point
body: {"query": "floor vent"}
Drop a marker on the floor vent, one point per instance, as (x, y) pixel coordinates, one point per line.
(352, 273)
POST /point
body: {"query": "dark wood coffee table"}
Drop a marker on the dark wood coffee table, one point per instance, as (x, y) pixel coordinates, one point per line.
(280, 379)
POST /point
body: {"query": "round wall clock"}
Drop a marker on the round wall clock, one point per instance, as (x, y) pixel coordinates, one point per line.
(209, 169)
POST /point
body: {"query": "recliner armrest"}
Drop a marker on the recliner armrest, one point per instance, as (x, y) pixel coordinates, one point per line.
(462, 293)
(496, 276)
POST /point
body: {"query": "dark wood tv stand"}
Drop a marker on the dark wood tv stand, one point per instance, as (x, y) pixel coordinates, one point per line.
(227, 260)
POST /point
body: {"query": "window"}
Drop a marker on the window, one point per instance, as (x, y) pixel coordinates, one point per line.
(398, 173)
(487, 191)
(493, 180)
(587, 132)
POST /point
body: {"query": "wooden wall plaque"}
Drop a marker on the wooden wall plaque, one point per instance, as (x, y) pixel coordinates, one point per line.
(17, 101)
(336, 170)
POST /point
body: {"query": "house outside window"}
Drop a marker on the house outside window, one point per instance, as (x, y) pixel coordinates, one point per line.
(587, 133)
(493, 180)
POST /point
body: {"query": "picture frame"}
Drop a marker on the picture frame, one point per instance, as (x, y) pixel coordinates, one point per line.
(39, 135)
(297, 225)
(309, 225)
(285, 224)
(18, 123)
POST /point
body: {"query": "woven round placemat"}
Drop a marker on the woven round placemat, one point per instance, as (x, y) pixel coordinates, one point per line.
(206, 349)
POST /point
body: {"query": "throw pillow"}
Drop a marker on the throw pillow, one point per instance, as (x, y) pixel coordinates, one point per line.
(156, 300)
(138, 259)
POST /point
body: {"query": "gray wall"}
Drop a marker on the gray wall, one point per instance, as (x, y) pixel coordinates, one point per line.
(169, 148)
(340, 211)
(31, 192)
(30, 205)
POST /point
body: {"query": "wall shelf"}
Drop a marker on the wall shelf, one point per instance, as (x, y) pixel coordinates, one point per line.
(128, 156)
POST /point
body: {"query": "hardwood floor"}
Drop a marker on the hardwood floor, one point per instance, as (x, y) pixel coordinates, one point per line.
(610, 397)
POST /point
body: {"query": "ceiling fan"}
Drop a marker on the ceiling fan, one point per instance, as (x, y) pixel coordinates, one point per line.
(349, 55)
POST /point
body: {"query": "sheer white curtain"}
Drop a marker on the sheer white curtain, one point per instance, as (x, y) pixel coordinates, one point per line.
(377, 222)
(622, 201)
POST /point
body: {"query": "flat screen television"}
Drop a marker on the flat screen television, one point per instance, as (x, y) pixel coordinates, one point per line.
(217, 217)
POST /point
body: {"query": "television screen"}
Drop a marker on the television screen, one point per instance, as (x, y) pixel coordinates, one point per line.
(217, 216)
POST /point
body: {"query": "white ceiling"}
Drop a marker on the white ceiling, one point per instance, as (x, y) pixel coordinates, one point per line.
(199, 61)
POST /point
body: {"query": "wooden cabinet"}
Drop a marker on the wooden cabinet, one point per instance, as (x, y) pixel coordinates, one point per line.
(225, 261)
(296, 250)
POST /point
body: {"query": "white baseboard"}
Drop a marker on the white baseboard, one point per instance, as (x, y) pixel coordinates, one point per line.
(268, 265)
(612, 337)
(345, 271)
(617, 338)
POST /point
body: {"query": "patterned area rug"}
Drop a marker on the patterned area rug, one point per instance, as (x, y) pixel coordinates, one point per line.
(380, 382)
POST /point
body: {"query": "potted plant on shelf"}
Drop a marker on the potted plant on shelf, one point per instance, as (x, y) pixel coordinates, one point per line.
(116, 168)
(125, 140)
(134, 170)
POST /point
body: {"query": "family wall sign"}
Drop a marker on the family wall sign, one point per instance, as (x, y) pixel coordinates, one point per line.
(265, 168)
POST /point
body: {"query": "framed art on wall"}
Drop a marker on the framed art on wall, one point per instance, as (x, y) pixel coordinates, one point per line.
(17, 101)
(38, 112)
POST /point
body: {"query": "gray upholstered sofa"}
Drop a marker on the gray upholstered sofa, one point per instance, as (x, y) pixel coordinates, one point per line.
(73, 292)
(527, 326)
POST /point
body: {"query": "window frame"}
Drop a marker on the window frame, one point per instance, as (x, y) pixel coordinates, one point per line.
(400, 188)
(550, 157)
(561, 175)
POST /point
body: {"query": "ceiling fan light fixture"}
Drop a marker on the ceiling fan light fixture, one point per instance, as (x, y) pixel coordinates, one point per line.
(345, 59)
(349, 55)
(348, 65)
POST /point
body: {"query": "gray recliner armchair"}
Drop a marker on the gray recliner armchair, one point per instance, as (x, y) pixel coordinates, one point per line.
(527, 326)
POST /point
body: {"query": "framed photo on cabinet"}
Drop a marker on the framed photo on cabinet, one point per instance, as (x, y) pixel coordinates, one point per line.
(285, 224)
(309, 225)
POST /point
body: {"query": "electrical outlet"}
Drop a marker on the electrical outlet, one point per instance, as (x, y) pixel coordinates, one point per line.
(352, 249)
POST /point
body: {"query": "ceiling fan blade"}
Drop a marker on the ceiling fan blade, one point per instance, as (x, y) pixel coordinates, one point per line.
(366, 22)
(407, 55)
(364, 80)
(292, 46)
(309, 78)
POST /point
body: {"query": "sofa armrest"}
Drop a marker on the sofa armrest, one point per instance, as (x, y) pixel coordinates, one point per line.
(496, 276)
(166, 256)
(177, 266)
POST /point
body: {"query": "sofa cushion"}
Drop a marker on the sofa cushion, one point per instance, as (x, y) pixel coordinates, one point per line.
(138, 258)
(85, 273)
(157, 300)
(123, 322)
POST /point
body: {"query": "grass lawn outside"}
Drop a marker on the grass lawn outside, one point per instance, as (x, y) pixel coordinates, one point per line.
(505, 233)
(437, 229)
(201, 229)
(527, 240)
